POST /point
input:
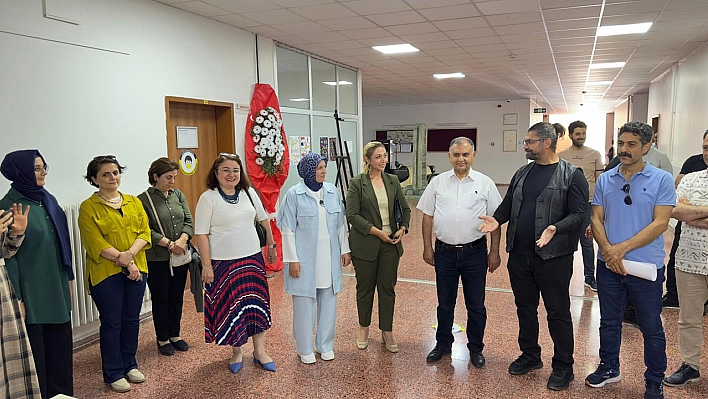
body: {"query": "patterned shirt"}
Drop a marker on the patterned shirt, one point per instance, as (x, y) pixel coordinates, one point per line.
(692, 252)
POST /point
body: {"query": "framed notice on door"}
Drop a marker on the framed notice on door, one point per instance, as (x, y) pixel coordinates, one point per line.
(187, 137)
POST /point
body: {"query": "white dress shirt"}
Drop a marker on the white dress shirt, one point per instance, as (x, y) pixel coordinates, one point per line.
(456, 204)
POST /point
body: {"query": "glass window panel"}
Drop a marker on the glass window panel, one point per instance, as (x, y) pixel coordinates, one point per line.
(295, 125)
(293, 80)
(323, 86)
(348, 97)
(325, 127)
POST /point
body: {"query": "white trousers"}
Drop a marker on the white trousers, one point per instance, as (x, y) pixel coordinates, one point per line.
(305, 311)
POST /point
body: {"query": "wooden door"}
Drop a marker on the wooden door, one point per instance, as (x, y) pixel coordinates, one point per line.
(215, 127)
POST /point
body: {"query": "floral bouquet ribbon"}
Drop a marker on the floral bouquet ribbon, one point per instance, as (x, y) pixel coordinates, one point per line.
(267, 155)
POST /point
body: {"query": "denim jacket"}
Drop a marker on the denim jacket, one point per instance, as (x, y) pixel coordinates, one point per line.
(299, 212)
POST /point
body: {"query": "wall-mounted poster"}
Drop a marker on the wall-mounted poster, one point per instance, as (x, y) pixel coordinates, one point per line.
(187, 137)
(304, 146)
(324, 147)
(294, 147)
(509, 140)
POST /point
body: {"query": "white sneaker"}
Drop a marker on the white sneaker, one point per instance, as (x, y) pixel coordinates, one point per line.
(120, 385)
(327, 355)
(308, 359)
(135, 376)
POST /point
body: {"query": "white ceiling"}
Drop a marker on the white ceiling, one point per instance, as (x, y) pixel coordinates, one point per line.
(509, 49)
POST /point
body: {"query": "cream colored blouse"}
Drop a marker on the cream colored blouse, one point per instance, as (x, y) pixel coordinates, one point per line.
(382, 199)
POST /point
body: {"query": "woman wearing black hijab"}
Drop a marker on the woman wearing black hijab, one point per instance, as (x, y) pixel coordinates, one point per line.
(41, 270)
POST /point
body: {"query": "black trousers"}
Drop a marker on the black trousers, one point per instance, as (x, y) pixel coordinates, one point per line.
(531, 276)
(167, 297)
(52, 347)
(671, 291)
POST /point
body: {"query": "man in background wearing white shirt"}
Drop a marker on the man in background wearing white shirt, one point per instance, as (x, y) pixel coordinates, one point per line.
(691, 270)
(451, 205)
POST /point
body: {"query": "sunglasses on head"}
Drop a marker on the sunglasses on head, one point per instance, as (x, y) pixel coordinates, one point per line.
(627, 198)
(103, 158)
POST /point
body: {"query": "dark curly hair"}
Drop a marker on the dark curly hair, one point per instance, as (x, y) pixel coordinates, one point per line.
(95, 165)
(641, 129)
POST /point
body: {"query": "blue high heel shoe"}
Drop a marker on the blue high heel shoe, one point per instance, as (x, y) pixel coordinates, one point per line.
(235, 367)
(270, 366)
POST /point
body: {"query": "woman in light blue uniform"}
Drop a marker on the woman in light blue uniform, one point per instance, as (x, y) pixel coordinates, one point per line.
(315, 248)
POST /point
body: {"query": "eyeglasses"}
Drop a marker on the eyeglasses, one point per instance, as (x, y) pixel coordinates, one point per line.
(627, 199)
(226, 154)
(227, 171)
(528, 142)
(38, 169)
(103, 158)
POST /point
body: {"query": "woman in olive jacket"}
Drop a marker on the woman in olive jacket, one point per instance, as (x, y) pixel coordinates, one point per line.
(375, 241)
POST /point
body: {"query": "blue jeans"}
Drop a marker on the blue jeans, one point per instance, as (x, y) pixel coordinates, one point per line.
(119, 301)
(613, 291)
(471, 266)
(587, 248)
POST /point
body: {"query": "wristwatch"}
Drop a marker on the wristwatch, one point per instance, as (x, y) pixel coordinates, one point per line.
(272, 246)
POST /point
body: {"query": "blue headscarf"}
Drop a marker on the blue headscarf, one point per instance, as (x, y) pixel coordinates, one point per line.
(18, 167)
(307, 169)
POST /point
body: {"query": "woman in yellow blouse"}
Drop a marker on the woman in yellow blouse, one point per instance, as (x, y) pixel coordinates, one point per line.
(114, 231)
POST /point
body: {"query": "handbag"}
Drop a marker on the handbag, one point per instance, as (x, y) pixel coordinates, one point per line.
(260, 230)
(397, 213)
(175, 260)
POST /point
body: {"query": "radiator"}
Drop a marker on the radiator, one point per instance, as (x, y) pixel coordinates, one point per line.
(84, 311)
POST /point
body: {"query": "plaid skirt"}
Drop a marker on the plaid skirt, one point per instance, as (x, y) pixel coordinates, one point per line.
(18, 377)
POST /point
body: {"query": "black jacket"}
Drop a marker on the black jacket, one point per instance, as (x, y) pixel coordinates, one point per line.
(553, 207)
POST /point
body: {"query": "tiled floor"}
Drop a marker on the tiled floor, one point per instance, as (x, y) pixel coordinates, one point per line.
(375, 373)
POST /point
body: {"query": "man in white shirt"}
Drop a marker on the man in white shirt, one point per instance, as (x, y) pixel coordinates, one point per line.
(691, 270)
(451, 205)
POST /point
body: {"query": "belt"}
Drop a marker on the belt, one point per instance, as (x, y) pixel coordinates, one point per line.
(463, 247)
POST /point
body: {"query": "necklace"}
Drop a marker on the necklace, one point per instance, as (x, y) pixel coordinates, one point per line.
(116, 200)
(231, 199)
(321, 195)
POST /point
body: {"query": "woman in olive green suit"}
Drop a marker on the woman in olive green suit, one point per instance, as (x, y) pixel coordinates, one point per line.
(375, 241)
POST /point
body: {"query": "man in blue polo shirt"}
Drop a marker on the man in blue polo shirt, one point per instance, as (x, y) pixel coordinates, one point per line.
(631, 210)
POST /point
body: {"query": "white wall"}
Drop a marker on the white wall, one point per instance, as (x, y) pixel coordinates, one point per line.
(679, 98)
(74, 101)
(486, 116)
(638, 108)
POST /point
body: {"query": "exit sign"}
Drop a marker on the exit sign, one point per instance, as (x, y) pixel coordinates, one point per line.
(539, 110)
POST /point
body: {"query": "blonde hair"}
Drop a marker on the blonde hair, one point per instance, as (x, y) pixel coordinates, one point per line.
(369, 149)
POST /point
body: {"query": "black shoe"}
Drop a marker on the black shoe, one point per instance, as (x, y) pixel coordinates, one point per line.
(167, 349)
(669, 302)
(180, 345)
(477, 359)
(602, 376)
(560, 379)
(437, 353)
(682, 376)
(591, 283)
(524, 364)
(654, 390)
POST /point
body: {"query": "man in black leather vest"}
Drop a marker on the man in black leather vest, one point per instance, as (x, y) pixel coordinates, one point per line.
(544, 206)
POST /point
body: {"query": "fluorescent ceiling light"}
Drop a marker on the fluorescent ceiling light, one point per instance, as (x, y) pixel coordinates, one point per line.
(341, 83)
(612, 30)
(396, 49)
(448, 75)
(607, 65)
(599, 83)
(298, 100)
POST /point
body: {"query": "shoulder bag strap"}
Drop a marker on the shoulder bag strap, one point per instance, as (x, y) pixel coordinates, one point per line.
(154, 212)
